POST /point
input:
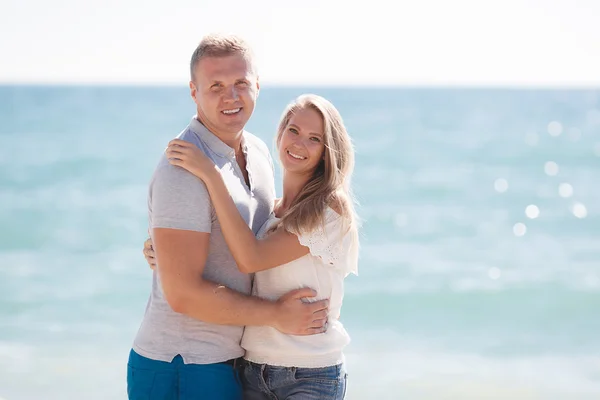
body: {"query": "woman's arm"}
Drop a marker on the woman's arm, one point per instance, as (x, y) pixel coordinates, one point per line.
(251, 254)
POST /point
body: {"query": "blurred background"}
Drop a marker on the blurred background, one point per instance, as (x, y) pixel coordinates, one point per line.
(477, 134)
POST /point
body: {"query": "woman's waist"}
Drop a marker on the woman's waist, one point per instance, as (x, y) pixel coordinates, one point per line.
(267, 339)
(323, 360)
(273, 283)
(273, 289)
(266, 345)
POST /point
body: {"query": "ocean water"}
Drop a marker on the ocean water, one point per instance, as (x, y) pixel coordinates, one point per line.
(480, 259)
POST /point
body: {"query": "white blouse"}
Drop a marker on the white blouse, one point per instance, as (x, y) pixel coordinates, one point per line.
(333, 254)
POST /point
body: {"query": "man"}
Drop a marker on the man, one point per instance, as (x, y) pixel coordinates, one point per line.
(188, 343)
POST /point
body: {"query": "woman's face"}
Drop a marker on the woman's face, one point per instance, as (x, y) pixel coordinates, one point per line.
(302, 142)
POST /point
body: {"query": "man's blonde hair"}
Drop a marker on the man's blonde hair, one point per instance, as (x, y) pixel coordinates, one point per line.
(221, 45)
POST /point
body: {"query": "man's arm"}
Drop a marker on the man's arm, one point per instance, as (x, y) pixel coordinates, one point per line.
(181, 224)
(181, 256)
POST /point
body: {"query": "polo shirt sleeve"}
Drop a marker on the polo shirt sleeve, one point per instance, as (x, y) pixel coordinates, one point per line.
(179, 200)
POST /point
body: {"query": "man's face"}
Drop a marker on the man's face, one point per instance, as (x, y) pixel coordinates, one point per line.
(225, 91)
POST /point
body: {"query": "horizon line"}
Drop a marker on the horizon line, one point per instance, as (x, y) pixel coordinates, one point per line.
(274, 85)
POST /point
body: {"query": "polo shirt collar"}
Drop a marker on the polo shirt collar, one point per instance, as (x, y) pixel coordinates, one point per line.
(213, 142)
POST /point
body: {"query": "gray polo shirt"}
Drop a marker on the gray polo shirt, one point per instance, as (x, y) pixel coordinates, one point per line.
(179, 200)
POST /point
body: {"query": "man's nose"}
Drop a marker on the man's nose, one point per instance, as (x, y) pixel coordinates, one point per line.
(231, 94)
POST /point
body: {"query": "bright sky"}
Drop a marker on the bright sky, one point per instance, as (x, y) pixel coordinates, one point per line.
(332, 42)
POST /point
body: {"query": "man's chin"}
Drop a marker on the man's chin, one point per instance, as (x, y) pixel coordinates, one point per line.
(235, 126)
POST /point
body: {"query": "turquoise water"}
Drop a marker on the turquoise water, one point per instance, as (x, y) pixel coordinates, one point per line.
(454, 300)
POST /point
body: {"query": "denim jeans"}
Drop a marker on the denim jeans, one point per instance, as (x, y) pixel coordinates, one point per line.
(261, 381)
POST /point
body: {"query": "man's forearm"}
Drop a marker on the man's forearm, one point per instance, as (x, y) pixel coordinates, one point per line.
(214, 303)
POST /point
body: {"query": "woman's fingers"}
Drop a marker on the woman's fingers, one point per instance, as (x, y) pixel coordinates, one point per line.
(175, 157)
(149, 256)
(176, 151)
(148, 244)
(180, 143)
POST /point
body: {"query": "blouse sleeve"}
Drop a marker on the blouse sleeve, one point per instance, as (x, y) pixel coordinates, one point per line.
(333, 243)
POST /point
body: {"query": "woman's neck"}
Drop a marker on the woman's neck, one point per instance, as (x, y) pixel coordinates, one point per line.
(292, 185)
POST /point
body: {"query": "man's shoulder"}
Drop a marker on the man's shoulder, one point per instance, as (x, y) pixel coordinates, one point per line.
(190, 136)
(169, 175)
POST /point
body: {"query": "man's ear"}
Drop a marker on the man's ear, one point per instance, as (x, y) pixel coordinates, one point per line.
(193, 90)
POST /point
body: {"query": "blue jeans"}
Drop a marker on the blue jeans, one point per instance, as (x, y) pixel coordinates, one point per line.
(263, 382)
(159, 380)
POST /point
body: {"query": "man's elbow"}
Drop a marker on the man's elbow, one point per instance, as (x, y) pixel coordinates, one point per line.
(188, 299)
(176, 300)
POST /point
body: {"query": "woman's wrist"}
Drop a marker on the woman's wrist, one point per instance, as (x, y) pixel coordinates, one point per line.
(213, 175)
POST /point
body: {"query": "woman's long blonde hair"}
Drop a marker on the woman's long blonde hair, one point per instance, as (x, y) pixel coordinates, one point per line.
(330, 183)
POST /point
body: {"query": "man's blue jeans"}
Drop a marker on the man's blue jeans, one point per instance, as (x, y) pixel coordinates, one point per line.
(158, 380)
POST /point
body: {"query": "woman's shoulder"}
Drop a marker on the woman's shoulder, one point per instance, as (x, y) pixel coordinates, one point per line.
(335, 211)
(335, 206)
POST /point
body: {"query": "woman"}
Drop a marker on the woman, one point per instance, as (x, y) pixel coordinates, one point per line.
(311, 240)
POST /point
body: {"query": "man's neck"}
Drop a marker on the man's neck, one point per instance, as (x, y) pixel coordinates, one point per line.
(232, 140)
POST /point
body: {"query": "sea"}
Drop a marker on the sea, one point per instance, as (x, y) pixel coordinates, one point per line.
(479, 272)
